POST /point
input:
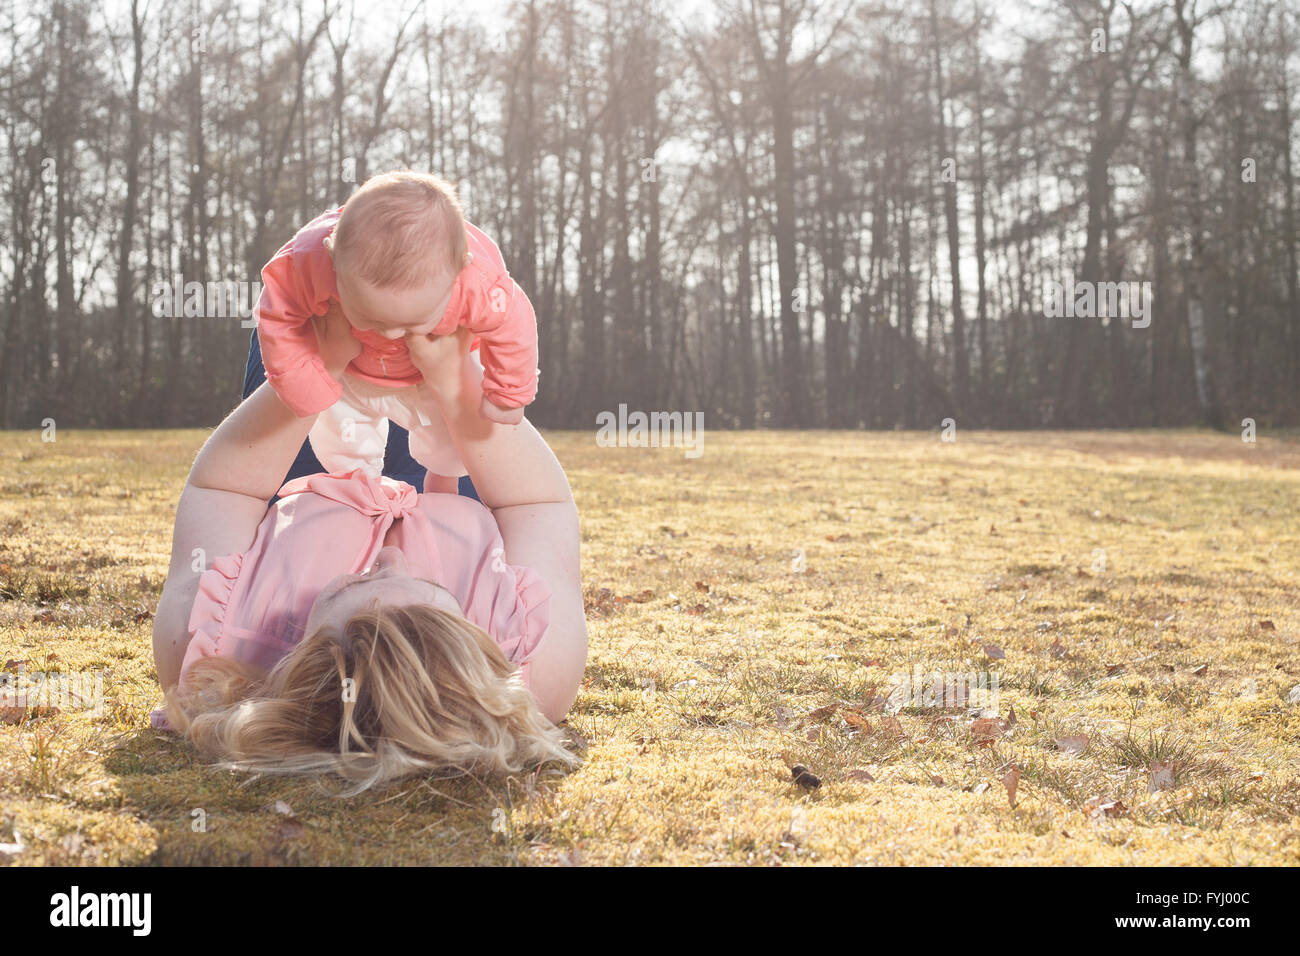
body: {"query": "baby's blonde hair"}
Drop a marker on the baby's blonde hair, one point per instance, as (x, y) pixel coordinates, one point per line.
(399, 229)
(396, 691)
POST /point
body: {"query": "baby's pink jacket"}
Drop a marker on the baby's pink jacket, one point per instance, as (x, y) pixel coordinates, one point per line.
(299, 283)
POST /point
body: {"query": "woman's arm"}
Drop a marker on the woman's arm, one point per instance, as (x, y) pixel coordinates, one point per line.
(209, 524)
(236, 473)
(509, 464)
(517, 476)
(238, 470)
(253, 449)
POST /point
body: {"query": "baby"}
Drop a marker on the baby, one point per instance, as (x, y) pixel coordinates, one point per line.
(398, 257)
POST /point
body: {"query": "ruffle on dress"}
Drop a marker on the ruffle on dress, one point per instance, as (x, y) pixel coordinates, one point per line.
(206, 618)
(533, 600)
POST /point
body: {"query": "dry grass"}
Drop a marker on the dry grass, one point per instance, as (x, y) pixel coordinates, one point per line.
(748, 612)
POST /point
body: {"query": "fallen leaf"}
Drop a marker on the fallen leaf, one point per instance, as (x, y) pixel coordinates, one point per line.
(1075, 744)
(1011, 715)
(1267, 626)
(1162, 776)
(854, 719)
(1098, 807)
(288, 829)
(988, 728)
(821, 713)
(805, 777)
(1011, 781)
(12, 714)
(892, 727)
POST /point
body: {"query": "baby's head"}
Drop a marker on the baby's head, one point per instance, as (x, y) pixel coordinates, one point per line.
(397, 249)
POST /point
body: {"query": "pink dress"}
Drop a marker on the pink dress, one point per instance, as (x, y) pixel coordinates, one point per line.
(254, 606)
(299, 283)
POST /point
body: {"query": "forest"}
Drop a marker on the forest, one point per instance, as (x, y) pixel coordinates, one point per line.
(777, 213)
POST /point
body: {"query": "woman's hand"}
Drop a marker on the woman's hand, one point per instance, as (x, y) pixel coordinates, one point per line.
(334, 338)
(440, 358)
(444, 362)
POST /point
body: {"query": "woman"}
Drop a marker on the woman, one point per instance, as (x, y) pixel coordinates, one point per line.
(357, 626)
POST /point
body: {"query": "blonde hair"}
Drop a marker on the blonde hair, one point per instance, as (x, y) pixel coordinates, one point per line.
(397, 228)
(396, 691)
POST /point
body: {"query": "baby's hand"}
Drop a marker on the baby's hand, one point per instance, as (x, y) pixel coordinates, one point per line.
(334, 339)
(502, 416)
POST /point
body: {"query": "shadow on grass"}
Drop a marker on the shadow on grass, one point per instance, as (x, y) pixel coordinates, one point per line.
(207, 815)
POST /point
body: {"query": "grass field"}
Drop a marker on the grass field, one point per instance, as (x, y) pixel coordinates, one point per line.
(1133, 594)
